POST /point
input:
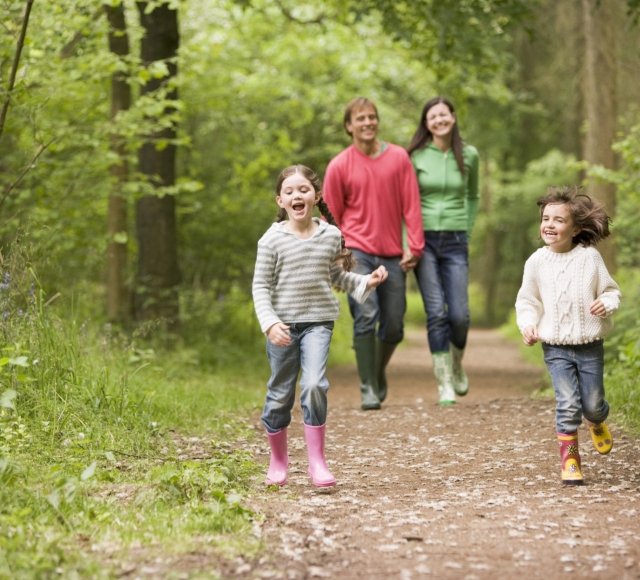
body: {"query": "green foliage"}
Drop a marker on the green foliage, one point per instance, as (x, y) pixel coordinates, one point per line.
(85, 411)
(627, 179)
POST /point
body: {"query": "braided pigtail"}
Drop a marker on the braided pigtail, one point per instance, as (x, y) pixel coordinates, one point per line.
(282, 215)
(345, 258)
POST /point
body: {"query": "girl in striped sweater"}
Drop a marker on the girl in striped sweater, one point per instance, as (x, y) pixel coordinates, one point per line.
(299, 259)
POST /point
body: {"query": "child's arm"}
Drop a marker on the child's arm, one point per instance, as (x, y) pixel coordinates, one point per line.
(607, 291)
(529, 306)
(357, 285)
(261, 289)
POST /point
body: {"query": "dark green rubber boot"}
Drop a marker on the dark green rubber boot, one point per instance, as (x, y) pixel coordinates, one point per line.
(385, 350)
(365, 347)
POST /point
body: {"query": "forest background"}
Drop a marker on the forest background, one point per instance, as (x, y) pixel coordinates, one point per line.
(139, 146)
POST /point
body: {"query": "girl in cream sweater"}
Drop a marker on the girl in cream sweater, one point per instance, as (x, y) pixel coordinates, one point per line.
(566, 301)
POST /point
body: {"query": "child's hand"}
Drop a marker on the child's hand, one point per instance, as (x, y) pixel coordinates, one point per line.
(530, 335)
(278, 334)
(377, 277)
(597, 308)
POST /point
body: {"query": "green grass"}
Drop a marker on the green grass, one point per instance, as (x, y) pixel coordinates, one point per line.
(108, 442)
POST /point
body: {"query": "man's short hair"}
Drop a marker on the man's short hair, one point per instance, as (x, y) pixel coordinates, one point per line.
(355, 105)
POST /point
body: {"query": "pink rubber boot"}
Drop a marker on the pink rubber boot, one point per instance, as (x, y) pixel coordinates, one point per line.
(318, 470)
(277, 474)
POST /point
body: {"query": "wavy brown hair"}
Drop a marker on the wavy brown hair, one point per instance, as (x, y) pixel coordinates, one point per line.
(422, 137)
(345, 257)
(588, 214)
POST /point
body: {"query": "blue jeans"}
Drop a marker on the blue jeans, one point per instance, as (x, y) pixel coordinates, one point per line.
(309, 350)
(577, 376)
(443, 278)
(386, 305)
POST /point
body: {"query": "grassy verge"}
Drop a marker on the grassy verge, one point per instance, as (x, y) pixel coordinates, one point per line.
(112, 452)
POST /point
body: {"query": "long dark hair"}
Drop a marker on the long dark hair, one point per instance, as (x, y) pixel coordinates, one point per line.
(588, 214)
(422, 137)
(345, 257)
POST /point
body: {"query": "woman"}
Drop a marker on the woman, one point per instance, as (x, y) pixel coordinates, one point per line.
(447, 172)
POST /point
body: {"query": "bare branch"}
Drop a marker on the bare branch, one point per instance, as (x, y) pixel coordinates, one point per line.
(13, 185)
(14, 66)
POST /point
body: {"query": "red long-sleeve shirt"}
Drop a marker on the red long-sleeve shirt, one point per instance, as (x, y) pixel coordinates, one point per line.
(370, 198)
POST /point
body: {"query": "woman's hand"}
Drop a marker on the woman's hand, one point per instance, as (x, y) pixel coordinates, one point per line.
(408, 261)
(597, 308)
(530, 335)
(278, 334)
(377, 277)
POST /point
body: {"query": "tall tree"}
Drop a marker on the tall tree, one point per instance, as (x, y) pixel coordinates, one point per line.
(600, 101)
(158, 273)
(118, 298)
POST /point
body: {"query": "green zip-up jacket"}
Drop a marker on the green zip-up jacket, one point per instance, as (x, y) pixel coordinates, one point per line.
(449, 200)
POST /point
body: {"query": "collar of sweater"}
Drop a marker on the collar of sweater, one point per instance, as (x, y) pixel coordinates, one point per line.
(280, 228)
(562, 256)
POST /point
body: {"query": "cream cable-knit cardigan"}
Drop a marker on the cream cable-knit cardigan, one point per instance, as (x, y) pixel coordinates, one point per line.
(557, 289)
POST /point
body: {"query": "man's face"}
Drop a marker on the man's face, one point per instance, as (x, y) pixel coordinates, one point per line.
(363, 125)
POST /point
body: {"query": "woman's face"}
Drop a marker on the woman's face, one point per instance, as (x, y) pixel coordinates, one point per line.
(439, 120)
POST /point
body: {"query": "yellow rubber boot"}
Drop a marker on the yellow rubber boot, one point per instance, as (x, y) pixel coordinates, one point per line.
(601, 437)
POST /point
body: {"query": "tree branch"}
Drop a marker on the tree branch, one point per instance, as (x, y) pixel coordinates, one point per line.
(67, 49)
(14, 66)
(287, 14)
(12, 186)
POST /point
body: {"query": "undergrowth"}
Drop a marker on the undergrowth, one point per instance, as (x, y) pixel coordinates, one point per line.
(94, 453)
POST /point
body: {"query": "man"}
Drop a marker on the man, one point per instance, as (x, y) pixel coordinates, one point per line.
(371, 188)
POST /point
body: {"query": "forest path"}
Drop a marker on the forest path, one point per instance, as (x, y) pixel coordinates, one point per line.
(469, 491)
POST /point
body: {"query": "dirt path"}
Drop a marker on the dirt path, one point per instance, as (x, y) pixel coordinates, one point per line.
(470, 491)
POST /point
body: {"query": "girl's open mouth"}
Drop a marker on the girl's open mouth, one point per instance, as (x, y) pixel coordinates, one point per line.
(298, 206)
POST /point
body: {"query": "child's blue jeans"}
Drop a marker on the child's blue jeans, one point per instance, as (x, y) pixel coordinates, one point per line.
(577, 375)
(309, 350)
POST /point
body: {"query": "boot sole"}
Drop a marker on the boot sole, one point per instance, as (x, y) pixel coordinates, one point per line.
(572, 482)
(446, 403)
(269, 482)
(370, 407)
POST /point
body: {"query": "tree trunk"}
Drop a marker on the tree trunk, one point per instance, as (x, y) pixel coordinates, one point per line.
(600, 102)
(158, 273)
(118, 298)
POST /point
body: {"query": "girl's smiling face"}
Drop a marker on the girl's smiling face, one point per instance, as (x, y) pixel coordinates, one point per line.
(557, 229)
(297, 197)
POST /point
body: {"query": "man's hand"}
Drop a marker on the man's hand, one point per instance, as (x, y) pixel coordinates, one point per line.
(597, 308)
(408, 261)
(530, 335)
(278, 334)
(377, 277)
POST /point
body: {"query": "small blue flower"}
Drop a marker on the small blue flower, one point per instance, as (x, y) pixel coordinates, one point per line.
(7, 277)
(4, 286)
(20, 312)
(5, 314)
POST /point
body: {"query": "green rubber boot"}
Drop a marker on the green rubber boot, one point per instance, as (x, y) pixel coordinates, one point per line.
(385, 350)
(365, 347)
(460, 380)
(444, 376)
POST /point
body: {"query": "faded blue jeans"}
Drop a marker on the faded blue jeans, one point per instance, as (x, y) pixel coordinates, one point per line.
(577, 376)
(308, 350)
(385, 306)
(443, 278)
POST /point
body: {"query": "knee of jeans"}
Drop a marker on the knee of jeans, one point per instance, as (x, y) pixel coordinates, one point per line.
(595, 410)
(318, 397)
(364, 326)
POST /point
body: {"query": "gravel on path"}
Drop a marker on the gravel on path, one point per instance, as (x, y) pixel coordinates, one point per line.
(470, 491)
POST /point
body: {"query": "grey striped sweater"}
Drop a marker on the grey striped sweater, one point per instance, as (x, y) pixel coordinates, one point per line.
(293, 278)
